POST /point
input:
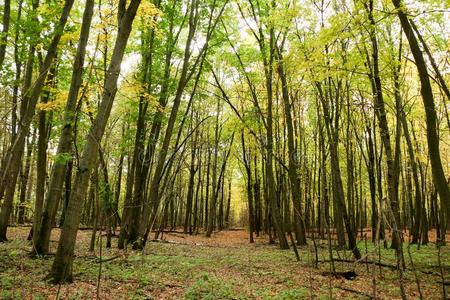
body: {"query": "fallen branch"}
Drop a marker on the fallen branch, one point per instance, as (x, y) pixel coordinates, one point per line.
(172, 285)
(392, 267)
(108, 259)
(349, 275)
(354, 291)
(368, 262)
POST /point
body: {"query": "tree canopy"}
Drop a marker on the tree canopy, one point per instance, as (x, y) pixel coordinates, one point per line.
(298, 120)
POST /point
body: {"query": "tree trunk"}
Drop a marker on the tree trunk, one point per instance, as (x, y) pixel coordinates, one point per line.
(62, 265)
(67, 190)
(247, 166)
(16, 151)
(426, 91)
(24, 177)
(153, 201)
(213, 195)
(5, 30)
(41, 236)
(380, 112)
(227, 211)
(294, 178)
(190, 194)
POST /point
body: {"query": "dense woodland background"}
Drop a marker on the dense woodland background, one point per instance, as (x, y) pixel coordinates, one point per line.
(303, 121)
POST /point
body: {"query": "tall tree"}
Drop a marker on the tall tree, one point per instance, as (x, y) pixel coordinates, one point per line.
(62, 265)
(43, 223)
(430, 111)
(15, 153)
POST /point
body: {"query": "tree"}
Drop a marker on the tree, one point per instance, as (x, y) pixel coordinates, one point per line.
(14, 156)
(62, 265)
(44, 221)
(430, 111)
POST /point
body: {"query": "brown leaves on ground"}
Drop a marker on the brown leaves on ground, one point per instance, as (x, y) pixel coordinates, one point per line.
(225, 266)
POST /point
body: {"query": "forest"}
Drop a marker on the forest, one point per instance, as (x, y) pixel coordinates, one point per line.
(225, 149)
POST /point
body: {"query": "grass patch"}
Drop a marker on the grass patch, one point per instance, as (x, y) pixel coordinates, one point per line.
(209, 287)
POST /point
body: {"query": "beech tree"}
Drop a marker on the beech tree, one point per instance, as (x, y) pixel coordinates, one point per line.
(300, 121)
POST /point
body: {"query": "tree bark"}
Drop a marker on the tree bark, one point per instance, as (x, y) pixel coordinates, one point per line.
(62, 265)
(24, 177)
(5, 30)
(16, 151)
(294, 178)
(41, 236)
(380, 112)
(426, 91)
(247, 165)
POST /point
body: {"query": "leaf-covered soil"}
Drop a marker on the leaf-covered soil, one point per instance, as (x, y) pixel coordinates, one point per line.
(225, 266)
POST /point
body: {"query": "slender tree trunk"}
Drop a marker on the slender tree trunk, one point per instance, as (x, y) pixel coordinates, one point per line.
(257, 196)
(117, 189)
(190, 194)
(198, 190)
(372, 183)
(18, 65)
(41, 236)
(338, 190)
(16, 151)
(380, 111)
(5, 30)
(106, 203)
(24, 177)
(153, 202)
(294, 178)
(44, 127)
(207, 193)
(62, 265)
(417, 187)
(271, 185)
(136, 189)
(247, 166)
(426, 91)
(67, 190)
(95, 213)
(227, 211)
(213, 196)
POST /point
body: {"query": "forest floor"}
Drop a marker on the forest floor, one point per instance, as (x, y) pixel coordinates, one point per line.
(225, 266)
